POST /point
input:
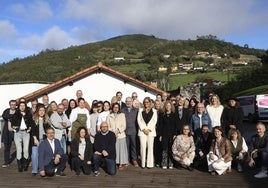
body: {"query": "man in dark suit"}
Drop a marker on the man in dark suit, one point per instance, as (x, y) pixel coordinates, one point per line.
(119, 99)
(183, 115)
(51, 158)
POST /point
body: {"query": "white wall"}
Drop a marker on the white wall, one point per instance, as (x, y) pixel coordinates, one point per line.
(100, 86)
(15, 91)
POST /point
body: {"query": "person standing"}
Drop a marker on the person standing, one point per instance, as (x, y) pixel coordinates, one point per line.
(232, 116)
(79, 94)
(214, 110)
(117, 124)
(79, 117)
(119, 96)
(199, 118)
(183, 115)
(167, 132)
(131, 130)
(60, 123)
(38, 133)
(147, 119)
(21, 123)
(8, 133)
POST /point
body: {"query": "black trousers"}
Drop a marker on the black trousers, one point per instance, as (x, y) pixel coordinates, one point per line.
(78, 164)
(50, 167)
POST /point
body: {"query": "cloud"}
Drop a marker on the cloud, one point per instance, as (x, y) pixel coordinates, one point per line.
(7, 29)
(31, 11)
(169, 19)
(53, 38)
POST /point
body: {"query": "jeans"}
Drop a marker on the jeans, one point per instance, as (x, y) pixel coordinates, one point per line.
(22, 138)
(63, 143)
(131, 147)
(35, 158)
(99, 160)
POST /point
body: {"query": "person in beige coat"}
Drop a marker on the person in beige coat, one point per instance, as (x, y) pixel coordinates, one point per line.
(147, 119)
(117, 124)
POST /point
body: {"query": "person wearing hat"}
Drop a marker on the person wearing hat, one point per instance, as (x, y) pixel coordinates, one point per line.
(232, 116)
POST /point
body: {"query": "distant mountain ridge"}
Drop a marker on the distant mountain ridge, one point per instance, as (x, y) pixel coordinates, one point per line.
(52, 65)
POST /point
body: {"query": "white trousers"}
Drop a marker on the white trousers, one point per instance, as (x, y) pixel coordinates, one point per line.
(219, 167)
(147, 142)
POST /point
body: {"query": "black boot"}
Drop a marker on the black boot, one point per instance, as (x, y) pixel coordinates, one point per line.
(19, 165)
(25, 164)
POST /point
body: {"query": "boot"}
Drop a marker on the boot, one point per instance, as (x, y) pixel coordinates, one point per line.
(25, 164)
(19, 165)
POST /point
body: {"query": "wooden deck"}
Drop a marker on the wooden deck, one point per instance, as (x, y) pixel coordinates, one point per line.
(131, 177)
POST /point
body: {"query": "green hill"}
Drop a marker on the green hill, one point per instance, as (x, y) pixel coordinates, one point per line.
(142, 56)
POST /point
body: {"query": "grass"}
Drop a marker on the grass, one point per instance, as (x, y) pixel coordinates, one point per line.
(182, 80)
(254, 91)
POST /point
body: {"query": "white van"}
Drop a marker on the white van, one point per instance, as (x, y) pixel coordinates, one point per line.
(255, 107)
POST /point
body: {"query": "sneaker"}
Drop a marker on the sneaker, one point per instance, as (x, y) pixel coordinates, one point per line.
(60, 174)
(96, 173)
(164, 167)
(170, 167)
(5, 165)
(261, 174)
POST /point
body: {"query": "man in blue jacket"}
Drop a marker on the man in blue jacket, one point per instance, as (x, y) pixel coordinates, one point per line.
(199, 118)
(51, 158)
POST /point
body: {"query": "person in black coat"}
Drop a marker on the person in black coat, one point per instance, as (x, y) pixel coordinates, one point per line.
(203, 142)
(81, 152)
(232, 116)
(167, 132)
(21, 123)
(183, 115)
(8, 133)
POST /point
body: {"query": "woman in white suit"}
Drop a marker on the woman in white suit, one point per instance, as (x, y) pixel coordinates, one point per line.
(147, 119)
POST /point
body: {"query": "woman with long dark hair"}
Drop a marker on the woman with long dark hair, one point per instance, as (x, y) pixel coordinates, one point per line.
(81, 152)
(38, 133)
(22, 122)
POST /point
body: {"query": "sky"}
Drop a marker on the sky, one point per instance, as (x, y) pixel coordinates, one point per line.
(30, 26)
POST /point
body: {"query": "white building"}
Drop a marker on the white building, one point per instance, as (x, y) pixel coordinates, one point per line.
(15, 91)
(97, 82)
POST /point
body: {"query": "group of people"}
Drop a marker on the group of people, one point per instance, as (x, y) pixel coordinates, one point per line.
(162, 132)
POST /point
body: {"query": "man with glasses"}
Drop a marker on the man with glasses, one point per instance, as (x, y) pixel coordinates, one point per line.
(199, 118)
(104, 146)
(60, 123)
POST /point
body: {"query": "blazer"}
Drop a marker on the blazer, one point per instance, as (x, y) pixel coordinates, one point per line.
(117, 124)
(224, 149)
(88, 151)
(151, 125)
(45, 153)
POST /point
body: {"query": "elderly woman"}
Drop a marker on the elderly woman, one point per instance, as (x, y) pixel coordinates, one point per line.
(117, 124)
(239, 148)
(219, 157)
(147, 119)
(183, 148)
